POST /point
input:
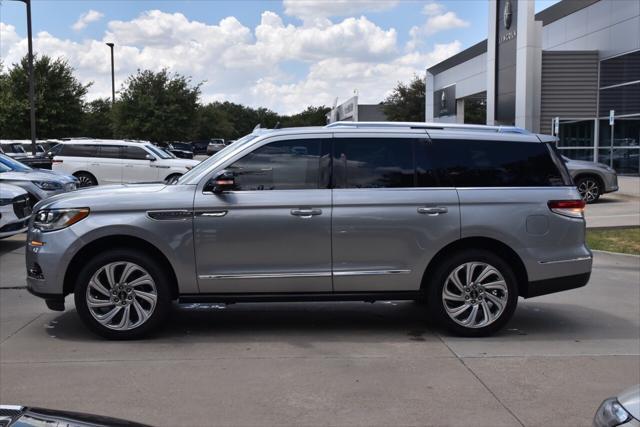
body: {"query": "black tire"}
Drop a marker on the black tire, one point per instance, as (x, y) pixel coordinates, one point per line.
(436, 302)
(162, 292)
(590, 188)
(85, 179)
(172, 178)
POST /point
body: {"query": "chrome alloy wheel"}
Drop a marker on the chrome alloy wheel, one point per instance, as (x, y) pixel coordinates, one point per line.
(589, 190)
(121, 295)
(475, 294)
(84, 181)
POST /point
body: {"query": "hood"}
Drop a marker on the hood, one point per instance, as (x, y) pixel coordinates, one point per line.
(182, 163)
(8, 191)
(25, 416)
(37, 175)
(630, 399)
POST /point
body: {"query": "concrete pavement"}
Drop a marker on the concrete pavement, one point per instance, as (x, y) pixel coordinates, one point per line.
(331, 363)
(618, 209)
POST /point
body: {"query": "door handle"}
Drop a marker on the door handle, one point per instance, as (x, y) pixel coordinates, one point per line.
(433, 211)
(306, 213)
(95, 164)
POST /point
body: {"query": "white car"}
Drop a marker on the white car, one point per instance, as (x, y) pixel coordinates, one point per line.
(109, 161)
(15, 210)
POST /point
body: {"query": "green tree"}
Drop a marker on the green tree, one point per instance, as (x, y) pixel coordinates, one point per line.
(97, 120)
(407, 101)
(212, 122)
(156, 106)
(311, 116)
(58, 99)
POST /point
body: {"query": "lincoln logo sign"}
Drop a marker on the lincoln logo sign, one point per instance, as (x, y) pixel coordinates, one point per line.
(507, 14)
(443, 101)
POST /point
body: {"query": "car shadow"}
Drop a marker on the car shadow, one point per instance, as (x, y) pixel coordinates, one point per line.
(7, 246)
(355, 322)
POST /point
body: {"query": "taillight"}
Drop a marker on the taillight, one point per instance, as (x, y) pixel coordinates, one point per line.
(570, 208)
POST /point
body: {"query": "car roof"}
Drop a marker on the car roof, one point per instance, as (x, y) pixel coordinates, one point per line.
(104, 142)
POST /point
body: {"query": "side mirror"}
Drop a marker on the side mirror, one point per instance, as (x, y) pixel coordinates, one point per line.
(225, 181)
(150, 157)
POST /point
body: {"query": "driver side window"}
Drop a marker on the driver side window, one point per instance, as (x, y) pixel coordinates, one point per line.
(281, 165)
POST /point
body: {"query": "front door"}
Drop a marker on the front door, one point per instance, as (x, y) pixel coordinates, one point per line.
(390, 213)
(272, 233)
(108, 165)
(136, 166)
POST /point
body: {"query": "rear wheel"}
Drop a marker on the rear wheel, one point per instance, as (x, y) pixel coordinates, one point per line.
(473, 293)
(122, 294)
(85, 179)
(589, 189)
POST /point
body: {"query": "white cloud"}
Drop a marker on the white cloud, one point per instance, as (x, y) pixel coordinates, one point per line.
(445, 21)
(87, 18)
(242, 64)
(317, 10)
(438, 19)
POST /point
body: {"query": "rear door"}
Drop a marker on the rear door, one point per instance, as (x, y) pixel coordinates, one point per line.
(136, 166)
(108, 165)
(390, 213)
(72, 158)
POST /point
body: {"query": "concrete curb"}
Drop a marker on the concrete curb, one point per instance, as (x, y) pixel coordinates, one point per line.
(615, 253)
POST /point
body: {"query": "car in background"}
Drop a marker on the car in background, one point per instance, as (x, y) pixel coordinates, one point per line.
(15, 210)
(182, 150)
(215, 145)
(40, 184)
(111, 161)
(622, 410)
(12, 148)
(592, 179)
(200, 146)
(21, 416)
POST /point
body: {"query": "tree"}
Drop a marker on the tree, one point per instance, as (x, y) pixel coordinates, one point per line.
(212, 122)
(58, 99)
(311, 116)
(156, 107)
(407, 102)
(97, 120)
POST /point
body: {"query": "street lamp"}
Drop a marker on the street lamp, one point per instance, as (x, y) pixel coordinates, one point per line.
(113, 77)
(32, 103)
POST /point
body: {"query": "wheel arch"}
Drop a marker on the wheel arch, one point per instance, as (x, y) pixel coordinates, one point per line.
(589, 174)
(493, 245)
(115, 241)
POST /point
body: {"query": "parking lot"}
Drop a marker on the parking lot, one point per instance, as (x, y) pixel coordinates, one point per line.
(329, 363)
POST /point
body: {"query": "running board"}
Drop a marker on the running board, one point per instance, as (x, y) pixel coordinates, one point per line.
(300, 297)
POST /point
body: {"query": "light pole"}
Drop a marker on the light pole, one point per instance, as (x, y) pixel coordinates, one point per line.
(113, 78)
(32, 103)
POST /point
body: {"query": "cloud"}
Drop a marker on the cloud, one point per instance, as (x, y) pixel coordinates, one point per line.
(317, 10)
(443, 22)
(280, 66)
(438, 19)
(87, 18)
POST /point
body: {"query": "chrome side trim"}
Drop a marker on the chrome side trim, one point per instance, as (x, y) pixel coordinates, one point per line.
(583, 258)
(170, 215)
(215, 214)
(370, 272)
(264, 275)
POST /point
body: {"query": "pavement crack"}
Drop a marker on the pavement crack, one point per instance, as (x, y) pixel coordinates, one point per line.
(21, 328)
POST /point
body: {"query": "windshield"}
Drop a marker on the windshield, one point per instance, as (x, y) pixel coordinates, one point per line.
(158, 152)
(205, 164)
(12, 165)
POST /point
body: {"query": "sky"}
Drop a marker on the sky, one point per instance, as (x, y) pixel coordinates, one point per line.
(279, 54)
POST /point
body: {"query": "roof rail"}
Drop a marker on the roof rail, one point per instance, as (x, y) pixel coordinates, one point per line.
(428, 126)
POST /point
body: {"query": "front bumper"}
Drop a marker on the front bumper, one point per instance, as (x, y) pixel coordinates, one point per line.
(610, 182)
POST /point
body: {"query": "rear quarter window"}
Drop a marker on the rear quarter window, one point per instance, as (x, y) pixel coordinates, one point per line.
(78, 150)
(464, 163)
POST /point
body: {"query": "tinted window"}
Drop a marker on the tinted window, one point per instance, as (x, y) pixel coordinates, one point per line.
(426, 175)
(282, 165)
(109, 151)
(135, 153)
(496, 164)
(373, 163)
(79, 150)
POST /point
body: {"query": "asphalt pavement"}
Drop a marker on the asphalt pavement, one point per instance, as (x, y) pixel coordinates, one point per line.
(619, 209)
(329, 363)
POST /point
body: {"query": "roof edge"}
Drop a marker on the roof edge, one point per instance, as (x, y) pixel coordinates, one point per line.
(561, 9)
(460, 57)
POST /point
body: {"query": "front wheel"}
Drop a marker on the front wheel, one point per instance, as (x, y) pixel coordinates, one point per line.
(473, 293)
(171, 179)
(85, 179)
(122, 294)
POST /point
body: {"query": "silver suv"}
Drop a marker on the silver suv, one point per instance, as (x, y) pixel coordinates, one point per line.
(466, 218)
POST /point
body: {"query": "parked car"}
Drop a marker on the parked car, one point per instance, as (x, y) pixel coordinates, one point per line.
(38, 183)
(215, 145)
(200, 146)
(22, 416)
(468, 218)
(622, 410)
(12, 148)
(15, 209)
(592, 179)
(96, 162)
(181, 150)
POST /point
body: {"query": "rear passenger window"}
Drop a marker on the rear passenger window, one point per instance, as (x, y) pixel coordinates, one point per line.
(495, 164)
(109, 151)
(373, 163)
(135, 153)
(79, 150)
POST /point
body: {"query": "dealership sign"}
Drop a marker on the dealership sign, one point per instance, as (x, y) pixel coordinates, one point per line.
(444, 101)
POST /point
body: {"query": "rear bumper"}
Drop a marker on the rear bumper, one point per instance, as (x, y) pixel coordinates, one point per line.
(557, 284)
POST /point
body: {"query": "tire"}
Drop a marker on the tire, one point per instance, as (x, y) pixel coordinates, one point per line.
(146, 303)
(589, 188)
(500, 300)
(86, 179)
(172, 178)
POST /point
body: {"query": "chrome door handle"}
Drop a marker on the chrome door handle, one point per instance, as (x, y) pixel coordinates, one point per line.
(213, 214)
(95, 164)
(433, 211)
(306, 213)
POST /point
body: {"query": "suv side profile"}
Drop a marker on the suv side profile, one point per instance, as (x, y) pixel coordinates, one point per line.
(468, 218)
(107, 161)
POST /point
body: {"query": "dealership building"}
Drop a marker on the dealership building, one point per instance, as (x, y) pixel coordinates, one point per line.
(572, 70)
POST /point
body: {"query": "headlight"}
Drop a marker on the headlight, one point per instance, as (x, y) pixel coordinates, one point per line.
(4, 202)
(48, 185)
(57, 219)
(610, 414)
